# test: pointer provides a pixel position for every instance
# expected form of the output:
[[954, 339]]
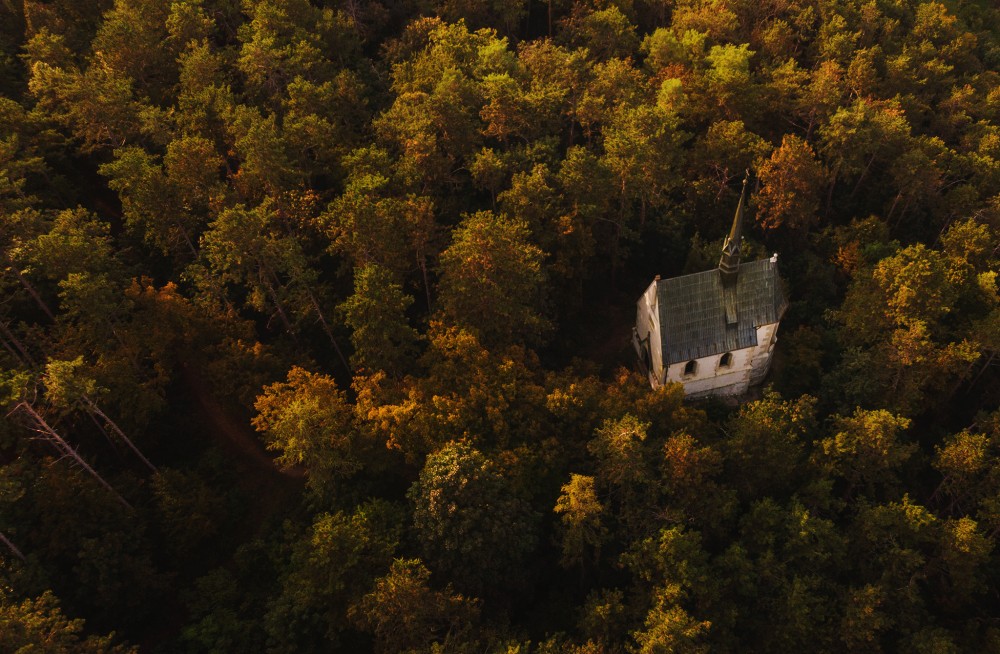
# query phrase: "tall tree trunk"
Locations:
[[902, 212], [422, 263], [864, 173], [104, 432], [269, 285], [829, 193], [92, 407], [617, 236], [9, 337], [32, 292], [892, 209], [187, 239], [326, 328], [985, 367], [68, 449], [11, 349], [11, 546]]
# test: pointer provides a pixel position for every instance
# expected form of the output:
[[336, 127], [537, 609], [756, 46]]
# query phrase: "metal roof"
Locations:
[[693, 310]]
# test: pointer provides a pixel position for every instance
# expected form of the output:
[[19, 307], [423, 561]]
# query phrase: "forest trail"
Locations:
[[231, 433]]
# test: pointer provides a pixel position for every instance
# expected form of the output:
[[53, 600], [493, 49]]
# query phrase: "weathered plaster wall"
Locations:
[[749, 365], [647, 324]]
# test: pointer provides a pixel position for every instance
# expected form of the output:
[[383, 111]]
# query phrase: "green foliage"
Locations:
[[333, 563], [218, 611], [404, 614], [370, 225], [251, 249], [191, 513], [902, 309], [307, 419], [382, 338], [199, 197], [580, 513], [765, 444], [180, 189], [865, 450], [618, 448], [792, 180], [492, 281], [471, 525], [98, 554], [605, 33], [39, 626], [97, 105], [669, 628], [64, 385]]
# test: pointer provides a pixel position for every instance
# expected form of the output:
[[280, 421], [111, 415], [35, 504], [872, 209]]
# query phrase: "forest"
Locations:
[[315, 326]]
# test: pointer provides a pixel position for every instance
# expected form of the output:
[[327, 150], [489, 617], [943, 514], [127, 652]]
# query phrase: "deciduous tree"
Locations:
[[376, 312], [40, 625], [580, 513], [492, 280], [308, 421], [405, 614], [471, 526], [792, 181]]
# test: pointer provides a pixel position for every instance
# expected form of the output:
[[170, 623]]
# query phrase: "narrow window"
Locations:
[[726, 360], [690, 367]]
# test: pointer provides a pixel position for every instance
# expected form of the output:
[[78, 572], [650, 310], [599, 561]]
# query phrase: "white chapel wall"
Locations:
[[732, 380], [647, 324], [709, 375]]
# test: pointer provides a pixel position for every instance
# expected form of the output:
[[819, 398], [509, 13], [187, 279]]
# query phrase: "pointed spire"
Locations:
[[729, 264]]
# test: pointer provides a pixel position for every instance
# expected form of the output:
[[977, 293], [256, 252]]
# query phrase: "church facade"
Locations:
[[712, 331]]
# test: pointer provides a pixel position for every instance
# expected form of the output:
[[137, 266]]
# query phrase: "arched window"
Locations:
[[690, 367], [726, 360]]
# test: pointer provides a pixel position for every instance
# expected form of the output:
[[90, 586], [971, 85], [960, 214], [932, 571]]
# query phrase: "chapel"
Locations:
[[712, 331]]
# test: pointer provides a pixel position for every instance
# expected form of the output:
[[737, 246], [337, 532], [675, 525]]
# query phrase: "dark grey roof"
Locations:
[[693, 310]]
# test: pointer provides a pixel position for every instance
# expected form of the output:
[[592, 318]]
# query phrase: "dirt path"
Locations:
[[235, 435], [269, 491]]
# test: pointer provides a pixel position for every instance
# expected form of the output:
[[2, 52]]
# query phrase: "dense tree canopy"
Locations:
[[315, 321]]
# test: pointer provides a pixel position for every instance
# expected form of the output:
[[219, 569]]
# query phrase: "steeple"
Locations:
[[729, 264]]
